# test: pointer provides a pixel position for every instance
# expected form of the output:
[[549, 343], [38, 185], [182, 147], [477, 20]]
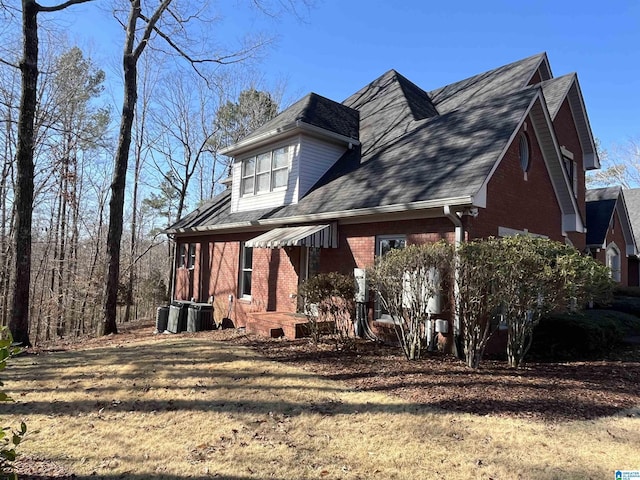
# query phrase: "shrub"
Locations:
[[332, 295], [627, 304], [405, 281], [591, 334], [9, 439], [478, 298]]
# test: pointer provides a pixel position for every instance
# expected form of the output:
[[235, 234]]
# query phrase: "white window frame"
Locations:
[[182, 259], [614, 261], [269, 173], [245, 269], [191, 256]]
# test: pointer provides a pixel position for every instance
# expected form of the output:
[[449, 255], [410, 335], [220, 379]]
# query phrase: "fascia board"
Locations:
[[591, 160], [326, 216], [577, 222], [283, 132]]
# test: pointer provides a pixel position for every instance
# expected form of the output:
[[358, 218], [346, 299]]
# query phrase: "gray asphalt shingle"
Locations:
[[415, 146]]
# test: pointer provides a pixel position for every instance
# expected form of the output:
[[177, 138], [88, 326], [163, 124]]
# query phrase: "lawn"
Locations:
[[210, 406]]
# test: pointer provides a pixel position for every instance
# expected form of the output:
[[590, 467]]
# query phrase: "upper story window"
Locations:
[[524, 152], [265, 172], [571, 166]]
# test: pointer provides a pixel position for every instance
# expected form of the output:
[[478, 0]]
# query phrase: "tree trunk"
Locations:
[[116, 203], [19, 321]]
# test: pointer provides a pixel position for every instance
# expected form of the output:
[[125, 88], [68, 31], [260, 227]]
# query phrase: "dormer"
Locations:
[[281, 161]]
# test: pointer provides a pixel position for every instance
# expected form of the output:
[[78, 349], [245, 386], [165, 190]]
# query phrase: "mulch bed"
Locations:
[[552, 392]]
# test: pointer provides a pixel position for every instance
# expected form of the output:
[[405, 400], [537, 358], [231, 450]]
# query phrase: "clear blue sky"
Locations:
[[341, 45]]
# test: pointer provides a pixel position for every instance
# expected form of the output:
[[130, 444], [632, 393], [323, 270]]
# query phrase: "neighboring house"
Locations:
[[328, 186], [609, 236], [632, 201]]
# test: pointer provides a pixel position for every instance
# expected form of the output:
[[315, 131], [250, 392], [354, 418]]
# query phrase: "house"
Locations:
[[632, 200], [610, 236], [328, 186]]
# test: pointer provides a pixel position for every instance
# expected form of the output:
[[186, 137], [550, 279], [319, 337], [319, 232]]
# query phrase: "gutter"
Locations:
[[319, 217], [272, 135]]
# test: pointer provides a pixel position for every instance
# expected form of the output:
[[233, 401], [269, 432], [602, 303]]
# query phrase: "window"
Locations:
[[384, 244], [309, 262], [265, 172], [613, 261], [571, 167], [182, 251], [191, 259], [246, 269], [524, 152]]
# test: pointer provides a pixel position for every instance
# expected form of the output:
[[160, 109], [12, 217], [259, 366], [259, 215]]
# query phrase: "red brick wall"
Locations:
[[276, 271], [567, 136], [357, 243], [516, 202], [616, 235]]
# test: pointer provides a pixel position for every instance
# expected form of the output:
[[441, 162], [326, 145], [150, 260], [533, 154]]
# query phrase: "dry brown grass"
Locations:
[[193, 407]]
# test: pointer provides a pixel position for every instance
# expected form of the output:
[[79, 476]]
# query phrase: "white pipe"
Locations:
[[459, 238]]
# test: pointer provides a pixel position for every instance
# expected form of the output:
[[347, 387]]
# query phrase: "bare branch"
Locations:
[[4, 62], [151, 25], [62, 6]]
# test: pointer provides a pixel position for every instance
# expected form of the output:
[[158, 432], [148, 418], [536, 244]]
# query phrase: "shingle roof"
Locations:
[[632, 199], [415, 146], [479, 88], [601, 203], [555, 91], [316, 110]]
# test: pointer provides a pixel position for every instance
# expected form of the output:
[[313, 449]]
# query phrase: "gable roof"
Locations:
[[315, 112], [601, 204], [416, 150], [499, 81], [555, 91], [632, 200]]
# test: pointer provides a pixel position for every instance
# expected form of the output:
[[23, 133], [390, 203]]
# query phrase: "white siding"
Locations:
[[309, 160], [316, 158], [272, 199]]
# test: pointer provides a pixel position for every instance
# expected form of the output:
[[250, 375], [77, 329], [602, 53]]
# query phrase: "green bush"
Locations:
[[626, 304], [627, 291], [592, 334], [9, 439]]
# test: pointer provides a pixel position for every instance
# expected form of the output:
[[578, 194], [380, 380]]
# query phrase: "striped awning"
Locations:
[[324, 236]]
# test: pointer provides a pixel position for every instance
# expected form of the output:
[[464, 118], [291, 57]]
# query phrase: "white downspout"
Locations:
[[459, 238]]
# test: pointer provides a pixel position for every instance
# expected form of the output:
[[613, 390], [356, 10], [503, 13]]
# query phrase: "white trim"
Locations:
[[616, 273], [571, 221], [242, 270], [329, 216], [282, 132], [544, 60]]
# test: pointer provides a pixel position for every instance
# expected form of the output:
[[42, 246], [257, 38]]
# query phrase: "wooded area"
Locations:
[[82, 208]]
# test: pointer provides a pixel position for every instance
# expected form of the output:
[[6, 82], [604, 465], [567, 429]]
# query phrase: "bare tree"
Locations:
[[168, 25], [19, 322], [620, 166]]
